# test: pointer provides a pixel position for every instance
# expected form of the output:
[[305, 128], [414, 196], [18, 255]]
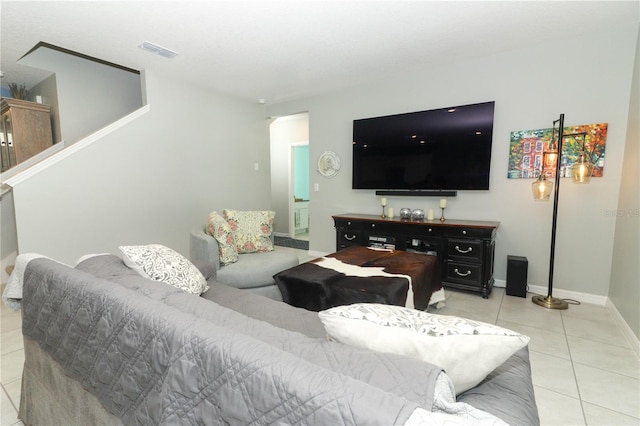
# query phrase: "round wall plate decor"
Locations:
[[328, 164]]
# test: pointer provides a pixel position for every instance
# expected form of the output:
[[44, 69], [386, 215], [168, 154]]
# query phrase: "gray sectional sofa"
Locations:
[[104, 345], [252, 271]]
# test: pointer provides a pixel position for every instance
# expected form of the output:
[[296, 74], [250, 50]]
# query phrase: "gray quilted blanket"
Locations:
[[154, 355]]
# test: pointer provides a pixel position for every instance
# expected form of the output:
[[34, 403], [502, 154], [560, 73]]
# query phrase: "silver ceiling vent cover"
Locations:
[[158, 50]]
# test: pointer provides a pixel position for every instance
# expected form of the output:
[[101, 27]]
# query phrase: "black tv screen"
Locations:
[[439, 149]]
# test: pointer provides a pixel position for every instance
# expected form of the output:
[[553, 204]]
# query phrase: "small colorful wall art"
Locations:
[[527, 147]]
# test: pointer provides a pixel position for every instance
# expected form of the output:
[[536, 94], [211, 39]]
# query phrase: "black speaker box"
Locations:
[[517, 276]]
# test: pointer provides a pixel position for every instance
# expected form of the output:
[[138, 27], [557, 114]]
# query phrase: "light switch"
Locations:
[[256, 166], [316, 187]]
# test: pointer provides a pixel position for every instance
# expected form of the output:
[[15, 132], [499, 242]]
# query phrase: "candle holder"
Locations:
[[383, 203], [442, 219]]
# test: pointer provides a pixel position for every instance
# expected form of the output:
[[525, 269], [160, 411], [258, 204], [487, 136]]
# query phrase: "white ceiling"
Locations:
[[281, 50]]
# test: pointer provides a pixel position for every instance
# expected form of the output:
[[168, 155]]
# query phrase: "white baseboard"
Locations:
[[569, 294], [561, 294], [633, 340]]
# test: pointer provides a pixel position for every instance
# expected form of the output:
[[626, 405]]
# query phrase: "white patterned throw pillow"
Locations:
[[467, 350], [251, 229], [161, 263]]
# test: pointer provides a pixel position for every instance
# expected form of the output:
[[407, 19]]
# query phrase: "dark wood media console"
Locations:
[[465, 248]]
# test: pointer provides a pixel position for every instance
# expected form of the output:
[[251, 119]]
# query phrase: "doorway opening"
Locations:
[[290, 174]]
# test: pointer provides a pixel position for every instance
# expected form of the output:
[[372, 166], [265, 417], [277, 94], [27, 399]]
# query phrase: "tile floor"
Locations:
[[584, 371], [11, 360]]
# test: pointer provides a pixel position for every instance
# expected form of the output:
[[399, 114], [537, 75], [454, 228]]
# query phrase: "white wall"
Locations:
[[284, 132], [90, 94], [625, 273], [84, 96], [48, 90], [587, 78], [151, 181], [8, 237]]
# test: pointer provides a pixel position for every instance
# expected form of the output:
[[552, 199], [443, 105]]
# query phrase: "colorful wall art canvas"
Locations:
[[527, 147]]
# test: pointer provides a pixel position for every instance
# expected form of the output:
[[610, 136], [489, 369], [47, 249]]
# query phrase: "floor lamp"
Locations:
[[581, 172]]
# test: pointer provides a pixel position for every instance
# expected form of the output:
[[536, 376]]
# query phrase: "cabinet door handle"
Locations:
[[469, 250], [346, 237], [461, 274]]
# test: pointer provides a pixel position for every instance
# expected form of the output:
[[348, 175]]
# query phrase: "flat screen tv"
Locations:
[[434, 150]]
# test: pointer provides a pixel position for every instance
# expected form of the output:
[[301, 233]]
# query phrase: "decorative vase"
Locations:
[[417, 215], [405, 213]]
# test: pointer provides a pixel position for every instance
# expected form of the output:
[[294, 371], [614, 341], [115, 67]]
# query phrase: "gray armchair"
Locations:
[[252, 271]]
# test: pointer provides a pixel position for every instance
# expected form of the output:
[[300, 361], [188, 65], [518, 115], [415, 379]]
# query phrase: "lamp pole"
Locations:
[[549, 301]]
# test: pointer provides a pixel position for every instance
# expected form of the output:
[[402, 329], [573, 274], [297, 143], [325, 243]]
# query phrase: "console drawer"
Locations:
[[348, 224], [462, 232], [348, 238], [463, 273], [469, 250]]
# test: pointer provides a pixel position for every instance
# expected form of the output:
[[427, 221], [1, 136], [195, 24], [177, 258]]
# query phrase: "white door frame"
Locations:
[[292, 205]]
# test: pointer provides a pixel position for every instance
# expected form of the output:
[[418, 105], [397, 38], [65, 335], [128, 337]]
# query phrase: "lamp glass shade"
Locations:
[[582, 169], [541, 189], [551, 156]]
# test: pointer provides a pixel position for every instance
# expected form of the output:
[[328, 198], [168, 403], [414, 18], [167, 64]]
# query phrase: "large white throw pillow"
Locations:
[[161, 263], [467, 350]]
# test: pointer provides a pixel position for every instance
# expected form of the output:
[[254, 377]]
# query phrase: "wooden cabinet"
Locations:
[[25, 130], [465, 248]]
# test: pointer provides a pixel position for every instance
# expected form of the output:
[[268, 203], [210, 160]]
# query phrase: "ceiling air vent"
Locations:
[[158, 50]]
